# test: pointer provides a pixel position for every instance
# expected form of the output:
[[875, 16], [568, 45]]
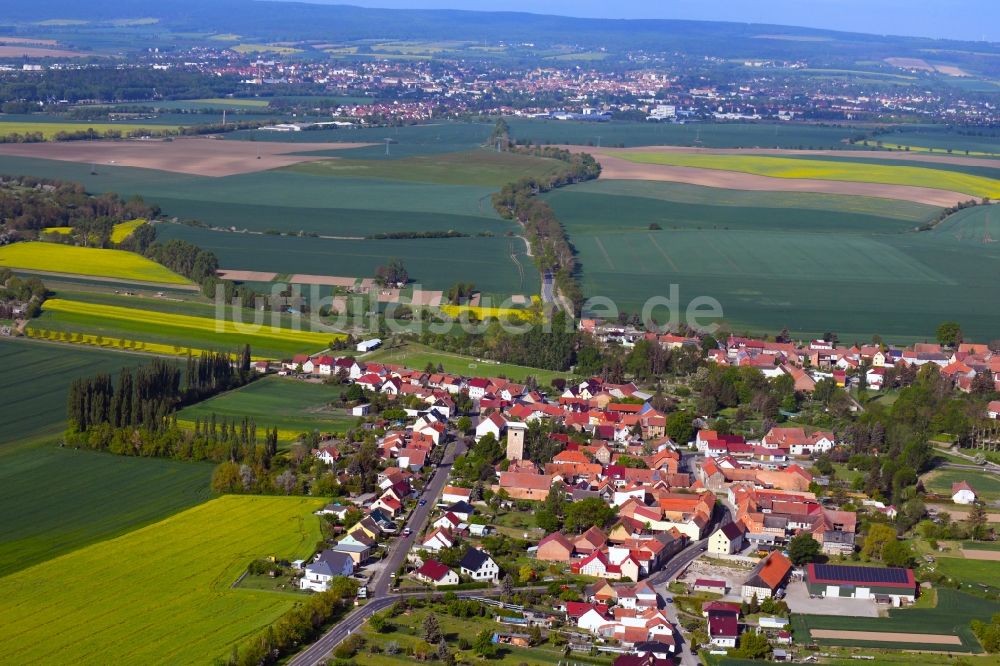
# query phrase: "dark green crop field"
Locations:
[[435, 263], [35, 381], [56, 500], [812, 263], [953, 614]]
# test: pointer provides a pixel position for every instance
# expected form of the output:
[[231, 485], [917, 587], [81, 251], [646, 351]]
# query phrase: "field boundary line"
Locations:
[[664, 253], [99, 278], [607, 257]]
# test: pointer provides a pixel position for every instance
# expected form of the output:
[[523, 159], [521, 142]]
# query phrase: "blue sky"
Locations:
[[956, 19]]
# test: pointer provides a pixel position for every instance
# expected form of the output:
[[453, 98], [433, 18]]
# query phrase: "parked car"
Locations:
[[422, 502], [406, 532]]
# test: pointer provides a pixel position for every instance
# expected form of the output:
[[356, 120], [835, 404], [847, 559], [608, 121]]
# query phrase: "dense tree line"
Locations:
[[518, 201], [406, 235], [112, 84], [187, 259], [544, 345], [29, 204]]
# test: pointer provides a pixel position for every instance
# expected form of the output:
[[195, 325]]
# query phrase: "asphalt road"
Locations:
[[379, 594]]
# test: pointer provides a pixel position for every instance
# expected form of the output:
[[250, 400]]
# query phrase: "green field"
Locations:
[[954, 611], [976, 226], [93, 262], [57, 500], [417, 356], [482, 167], [813, 263], [293, 406], [436, 263], [33, 402], [160, 593], [986, 485], [970, 572], [180, 330], [857, 171]]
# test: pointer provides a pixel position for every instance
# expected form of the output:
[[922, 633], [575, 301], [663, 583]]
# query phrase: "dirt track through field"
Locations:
[[987, 555], [197, 156], [887, 637], [616, 168]]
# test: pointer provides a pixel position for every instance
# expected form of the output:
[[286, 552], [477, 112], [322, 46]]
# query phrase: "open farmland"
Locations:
[[911, 176], [178, 329], [291, 405], [954, 611], [92, 262], [50, 130], [813, 263], [33, 403], [59, 499], [434, 263], [167, 583], [418, 357], [481, 167]]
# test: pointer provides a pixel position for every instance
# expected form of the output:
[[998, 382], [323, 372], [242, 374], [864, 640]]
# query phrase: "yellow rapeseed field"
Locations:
[[121, 231], [49, 130], [94, 262], [153, 321], [488, 313], [116, 344], [160, 594], [859, 172]]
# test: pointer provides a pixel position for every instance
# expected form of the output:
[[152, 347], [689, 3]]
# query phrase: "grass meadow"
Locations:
[[93, 262], [857, 171], [813, 263], [293, 406], [986, 485], [133, 323], [58, 499], [34, 385], [168, 583], [418, 356], [954, 611]]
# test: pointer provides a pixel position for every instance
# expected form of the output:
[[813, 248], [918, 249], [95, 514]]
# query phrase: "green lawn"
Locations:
[[954, 611], [293, 406], [975, 572], [35, 381], [418, 356], [57, 500], [986, 485]]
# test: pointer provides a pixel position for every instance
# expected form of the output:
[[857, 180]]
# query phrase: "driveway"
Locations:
[[797, 598]]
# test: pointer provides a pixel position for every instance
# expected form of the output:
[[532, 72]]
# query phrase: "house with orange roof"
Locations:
[[526, 486], [767, 577]]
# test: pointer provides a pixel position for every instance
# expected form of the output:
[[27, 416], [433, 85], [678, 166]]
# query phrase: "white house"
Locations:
[[962, 493], [327, 566], [993, 409], [437, 539], [479, 566], [494, 424], [477, 387], [726, 540], [452, 494], [436, 574]]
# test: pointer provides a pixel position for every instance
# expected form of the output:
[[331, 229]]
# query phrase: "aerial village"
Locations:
[[618, 527]]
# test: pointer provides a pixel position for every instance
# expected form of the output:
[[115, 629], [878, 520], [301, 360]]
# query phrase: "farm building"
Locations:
[[832, 580], [368, 345]]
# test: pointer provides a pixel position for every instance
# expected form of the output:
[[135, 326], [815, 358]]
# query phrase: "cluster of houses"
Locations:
[[629, 614]]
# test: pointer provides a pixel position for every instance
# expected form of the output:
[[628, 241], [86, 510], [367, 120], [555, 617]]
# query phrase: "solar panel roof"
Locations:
[[860, 574]]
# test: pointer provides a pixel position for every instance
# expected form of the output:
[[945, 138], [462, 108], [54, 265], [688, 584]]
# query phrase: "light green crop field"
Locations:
[[417, 356], [33, 403], [294, 407], [786, 167], [813, 263], [93, 262], [479, 167], [59, 499], [265, 48], [966, 571], [49, 130], [158, 594], [135, 323]]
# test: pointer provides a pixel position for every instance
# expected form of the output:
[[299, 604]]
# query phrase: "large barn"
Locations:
[[834, 580]]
